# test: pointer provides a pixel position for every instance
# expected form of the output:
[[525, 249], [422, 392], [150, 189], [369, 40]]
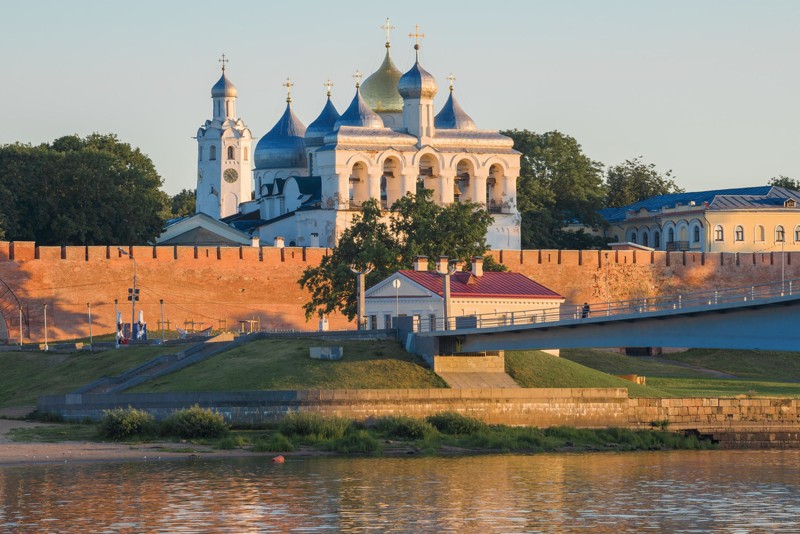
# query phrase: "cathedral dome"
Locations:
[[283, 146], [452, 117], [322, 125], [417, 82], [380, 88], [223, 88], [359, 114]]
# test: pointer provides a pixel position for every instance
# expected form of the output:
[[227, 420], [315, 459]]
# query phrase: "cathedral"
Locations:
[[304, 184]]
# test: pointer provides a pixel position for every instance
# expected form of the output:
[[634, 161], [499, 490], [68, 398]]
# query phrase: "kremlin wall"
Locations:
[[218, 287]]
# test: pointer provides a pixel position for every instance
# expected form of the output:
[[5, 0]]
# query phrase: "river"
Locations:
[[689, 491]]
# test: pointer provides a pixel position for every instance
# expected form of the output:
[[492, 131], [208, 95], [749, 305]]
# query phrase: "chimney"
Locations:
[[278, 242], [421, 263], [441, 265], [255, 241], [477, 266]]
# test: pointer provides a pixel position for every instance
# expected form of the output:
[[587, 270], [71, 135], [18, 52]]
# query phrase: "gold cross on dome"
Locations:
[[416, 36], [388, 28], [357, 76], [452, 79], [224, 62], [328, 84], [288, 85]]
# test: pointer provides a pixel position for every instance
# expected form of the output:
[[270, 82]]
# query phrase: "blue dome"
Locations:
[[359, 114], [322, 125], [283, 146], [223, 88], [417, 83], [452, 117]]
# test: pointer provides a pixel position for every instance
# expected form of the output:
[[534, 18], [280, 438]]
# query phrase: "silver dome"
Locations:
[[452, 117], [283, 146], [417, 83], [359, 114], [223, 88], [322, 125]]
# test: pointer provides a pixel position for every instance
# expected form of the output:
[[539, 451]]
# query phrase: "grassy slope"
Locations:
[[26, 375], [758, 365], [285, 364]]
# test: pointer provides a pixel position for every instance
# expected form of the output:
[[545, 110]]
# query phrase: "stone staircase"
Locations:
[[478, 370]]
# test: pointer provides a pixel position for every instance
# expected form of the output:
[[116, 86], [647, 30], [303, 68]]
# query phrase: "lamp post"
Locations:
[[91, 340], [161, 301], [133, 296], [361, 276], [116, 324], [20, 326], [451, 269], [46, 347], [396, 284], [608, 297]]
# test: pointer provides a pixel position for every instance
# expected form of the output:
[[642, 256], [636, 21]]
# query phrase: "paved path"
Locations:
[[478, 380]]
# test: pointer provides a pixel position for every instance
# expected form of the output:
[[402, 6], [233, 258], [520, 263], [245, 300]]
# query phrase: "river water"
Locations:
[[688, 491]]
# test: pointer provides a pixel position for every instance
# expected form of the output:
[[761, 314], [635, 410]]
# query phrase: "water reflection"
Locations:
[[687, 491]]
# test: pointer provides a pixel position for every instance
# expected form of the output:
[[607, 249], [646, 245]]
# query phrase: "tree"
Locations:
[[416, 226], [183, 204], [785, 181], [95, 190], [558, 185], [635, 180]]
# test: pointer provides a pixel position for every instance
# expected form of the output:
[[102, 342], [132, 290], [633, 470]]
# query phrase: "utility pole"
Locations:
[[46, 347], [20, 326], [361, 276], [451, 269], [91, 340], [116, 324], [133, 294], [162, 320]]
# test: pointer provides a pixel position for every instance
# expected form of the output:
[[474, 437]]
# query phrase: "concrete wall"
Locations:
[[477, 363], [209, 285]]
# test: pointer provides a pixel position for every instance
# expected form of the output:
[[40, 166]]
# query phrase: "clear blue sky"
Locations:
[[708, 89]]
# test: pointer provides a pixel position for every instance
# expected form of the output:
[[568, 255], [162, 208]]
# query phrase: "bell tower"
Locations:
[[224, 171]]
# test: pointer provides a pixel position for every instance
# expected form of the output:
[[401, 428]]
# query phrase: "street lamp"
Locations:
[[608, 297], [91, 341], [361, 276], [116, 324], [396, 285], [133, 296], [46, 347]]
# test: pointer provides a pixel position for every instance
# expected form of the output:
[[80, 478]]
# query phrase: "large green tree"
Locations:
[[74, 191], [785, 181], [635, 180], [416, 226], [558, 185], [182, 204]]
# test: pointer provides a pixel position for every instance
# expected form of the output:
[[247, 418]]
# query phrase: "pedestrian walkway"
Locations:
[[475, 380]]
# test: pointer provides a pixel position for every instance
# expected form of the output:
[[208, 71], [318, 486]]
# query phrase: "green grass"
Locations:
[[619, 364], [724, 387], [536, 369], [56, 433], [27, 375], [750, 364], [284, 364]]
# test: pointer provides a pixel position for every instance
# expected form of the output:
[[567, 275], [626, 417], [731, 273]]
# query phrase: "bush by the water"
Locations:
[[355, 441], [276, 443], [195, 422], [455, 423], [402, 427], [314, 425], [121, 423]]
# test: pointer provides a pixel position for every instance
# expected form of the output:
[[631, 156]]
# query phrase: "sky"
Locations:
[[707, 89]]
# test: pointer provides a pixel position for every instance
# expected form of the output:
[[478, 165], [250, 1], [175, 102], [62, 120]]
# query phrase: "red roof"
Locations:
[[491, 284]]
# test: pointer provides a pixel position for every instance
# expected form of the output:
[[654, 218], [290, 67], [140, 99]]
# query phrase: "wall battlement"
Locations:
[[225, 286]]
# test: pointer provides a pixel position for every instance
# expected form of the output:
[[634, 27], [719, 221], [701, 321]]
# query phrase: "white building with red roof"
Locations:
[[420, 293]]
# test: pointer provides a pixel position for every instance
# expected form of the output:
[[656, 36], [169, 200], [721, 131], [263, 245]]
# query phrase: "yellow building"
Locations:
[[748, 219]]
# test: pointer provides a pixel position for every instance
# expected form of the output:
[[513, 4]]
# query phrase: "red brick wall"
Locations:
[[207, 284]]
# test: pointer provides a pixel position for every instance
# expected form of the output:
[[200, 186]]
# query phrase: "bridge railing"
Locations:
[[714, 297]]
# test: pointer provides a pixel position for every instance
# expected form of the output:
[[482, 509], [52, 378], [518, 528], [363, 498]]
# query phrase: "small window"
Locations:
[[373, 322], [696, 235], [246, 153], [387, 320], [633, 237], [739, 234], [212, 153], [671, 236], [719, 234], [645, 239], [230, 152], [656, 239], [432, 321], [797, 234], [759, 233], [780, 234], [199, 153]]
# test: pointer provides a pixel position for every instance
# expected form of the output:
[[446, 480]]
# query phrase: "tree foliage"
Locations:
[[635, 180], [182, 204], [74, 191], [416, 226], [785, 181], [558, 185]]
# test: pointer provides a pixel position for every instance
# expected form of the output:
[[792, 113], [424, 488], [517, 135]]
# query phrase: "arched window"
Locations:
[[212, 153], [797, 234], [230, 152], [199, 153], [759, 234], [310, 164], [671, 235], [696, 235], [739, 234], [656, 239], [780, 234], [645, 239], [633, 237], [246, 151], [719, 234]]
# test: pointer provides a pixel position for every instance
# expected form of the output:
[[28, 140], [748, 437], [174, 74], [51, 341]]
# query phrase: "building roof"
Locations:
[[452, 117], [380, 88], [359, 114], [283, 146], [322, 125], [491, 284], [223, 87], [759, 197]]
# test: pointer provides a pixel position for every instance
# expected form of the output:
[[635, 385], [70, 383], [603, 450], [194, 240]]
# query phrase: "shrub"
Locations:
[[232, 442], [314, 425], [359, 441], [405, 427], [276, 443], [455, 423], [195, 422], [122, 423]]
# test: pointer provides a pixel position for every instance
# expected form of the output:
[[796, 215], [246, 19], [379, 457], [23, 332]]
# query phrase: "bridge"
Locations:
[[763, 317]]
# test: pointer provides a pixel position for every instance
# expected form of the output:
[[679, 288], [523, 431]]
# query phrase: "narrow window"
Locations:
[[246, 152], [212, 153], [311, 164], [645, 239], [780, 235], [387, 320], [696, 234], [739, 233], [432, 321], [230, 152], [373, 322], [633, 237], [656, 239], [759, 233], [199, 153], [671, 236], [719, 234], [797, 234]]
